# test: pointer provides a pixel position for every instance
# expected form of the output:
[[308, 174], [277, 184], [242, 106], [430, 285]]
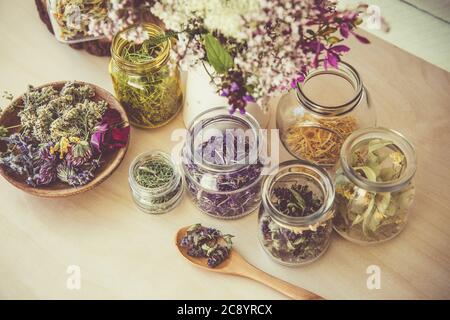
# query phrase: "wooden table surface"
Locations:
[[124, 253]]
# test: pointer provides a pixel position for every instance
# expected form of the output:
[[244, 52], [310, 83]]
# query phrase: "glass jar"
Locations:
[[222, 163], [145, 81], [161, 197], [295, 218], [73, 20], [326, 107], [374, 185]]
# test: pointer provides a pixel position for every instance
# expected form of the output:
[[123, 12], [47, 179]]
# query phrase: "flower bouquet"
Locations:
[[258, 47], [62, 139]]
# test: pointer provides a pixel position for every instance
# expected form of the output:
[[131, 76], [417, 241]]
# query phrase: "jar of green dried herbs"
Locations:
[[295, 218], [156, 183], [146, 81], [374, 185]]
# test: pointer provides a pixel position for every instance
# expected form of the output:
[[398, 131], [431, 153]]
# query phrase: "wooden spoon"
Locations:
[[237, 265]]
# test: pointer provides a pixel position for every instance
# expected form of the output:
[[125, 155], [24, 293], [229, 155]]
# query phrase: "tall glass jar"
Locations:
[[146, 81], [295, 218], [326, 107], [160, 197], [72, 20], [222, 163], [374, 185]]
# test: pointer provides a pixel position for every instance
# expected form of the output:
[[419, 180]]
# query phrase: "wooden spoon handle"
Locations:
[[284, 287]]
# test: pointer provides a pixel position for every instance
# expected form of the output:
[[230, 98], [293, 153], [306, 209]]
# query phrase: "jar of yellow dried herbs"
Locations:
[[77, 20], [323, 110], [374, 185], [146, 81]]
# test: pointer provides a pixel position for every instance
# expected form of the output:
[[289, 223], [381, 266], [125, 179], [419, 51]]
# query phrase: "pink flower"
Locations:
[[108, 135]]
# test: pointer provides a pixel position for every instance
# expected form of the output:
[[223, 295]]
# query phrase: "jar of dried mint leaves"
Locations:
[[295, 218], [156, 183], [145, 80], [73, 20], [374, 185], [324, 109], [223, 163]]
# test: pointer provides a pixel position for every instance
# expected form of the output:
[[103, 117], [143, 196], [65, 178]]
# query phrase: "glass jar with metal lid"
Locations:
[[145, 80], [295, 217], [324, 109], [374, 185]]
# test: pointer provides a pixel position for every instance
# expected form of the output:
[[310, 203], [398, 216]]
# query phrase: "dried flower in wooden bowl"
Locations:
[[62, 139]]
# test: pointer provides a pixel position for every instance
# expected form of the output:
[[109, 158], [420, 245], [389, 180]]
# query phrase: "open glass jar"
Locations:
[[295, 218], [146, 81], [326, 107], [374, 185], [155, 181], [223, 164], [72, 20]]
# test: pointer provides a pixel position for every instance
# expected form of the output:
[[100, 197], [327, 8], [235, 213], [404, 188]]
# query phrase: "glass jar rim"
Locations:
[[152, 30], [247, 119], [324, 180], [345, 71], [398, 139], [163, 189]]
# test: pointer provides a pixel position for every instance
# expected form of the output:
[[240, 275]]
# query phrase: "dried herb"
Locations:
[[319, 140], [152, 96], [296, 200], [224, 194], [294, 245], [154, 173], [73, 18], [56, 133], [210, 243], [366, 215], [49, 115]]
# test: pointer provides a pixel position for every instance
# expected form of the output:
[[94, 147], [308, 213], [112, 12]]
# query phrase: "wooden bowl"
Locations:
[[109, 161]]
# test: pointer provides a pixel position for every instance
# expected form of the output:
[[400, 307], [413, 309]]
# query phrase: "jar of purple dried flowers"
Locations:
[[295, 218], [223, 163]]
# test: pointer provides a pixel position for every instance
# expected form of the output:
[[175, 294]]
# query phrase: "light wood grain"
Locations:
[[124, 253]]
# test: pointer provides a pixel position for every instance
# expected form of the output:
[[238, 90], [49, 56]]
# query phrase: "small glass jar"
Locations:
[[72, 20], [222, 163], [374, 185], [164, 197], [148, 88], [290, 239], [326, 107]]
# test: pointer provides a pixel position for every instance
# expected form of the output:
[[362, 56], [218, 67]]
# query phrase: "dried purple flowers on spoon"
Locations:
[[209, 243]]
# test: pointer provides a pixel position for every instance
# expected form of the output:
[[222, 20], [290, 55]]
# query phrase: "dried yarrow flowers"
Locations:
[[210, 243], [63, 135]]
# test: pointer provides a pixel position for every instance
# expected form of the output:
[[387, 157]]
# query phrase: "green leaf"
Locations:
[[376, 144], [217, 55], [298, 198], [368, 173]]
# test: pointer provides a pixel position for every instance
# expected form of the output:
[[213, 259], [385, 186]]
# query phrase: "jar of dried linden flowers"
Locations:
[[374, 185], [295, 218], [146, 81], [324, 109]]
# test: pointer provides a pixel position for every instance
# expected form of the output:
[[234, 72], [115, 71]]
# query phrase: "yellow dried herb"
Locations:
[[319, 139]]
